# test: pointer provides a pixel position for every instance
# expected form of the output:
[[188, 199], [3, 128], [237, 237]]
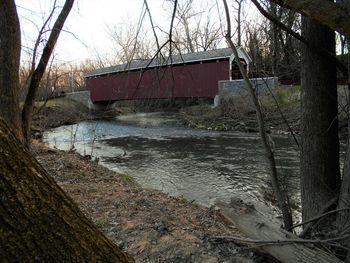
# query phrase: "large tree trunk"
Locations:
[[343, 217], [320, 176], [10, 48], [38, 221], [36, 76]]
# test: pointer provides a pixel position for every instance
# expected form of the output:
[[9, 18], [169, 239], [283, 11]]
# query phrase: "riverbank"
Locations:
[[239, 116], [150, 225], [62, 111], [281, 112]]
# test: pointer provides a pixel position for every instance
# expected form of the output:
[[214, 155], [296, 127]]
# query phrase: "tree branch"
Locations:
[[282, 242], [334, 15], [152, 24], [38, 40], [296, 35], [40, 69], [280, 196]]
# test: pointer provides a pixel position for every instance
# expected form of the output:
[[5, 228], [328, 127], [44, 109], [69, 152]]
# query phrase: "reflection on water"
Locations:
[[197, 164]]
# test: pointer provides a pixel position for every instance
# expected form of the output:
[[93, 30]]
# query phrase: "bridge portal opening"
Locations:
[[235, 73]]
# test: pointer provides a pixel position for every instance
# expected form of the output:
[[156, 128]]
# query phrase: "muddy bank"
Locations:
[[63, 111], [237, 114], [150, 225], [281, 114], [241, 119]]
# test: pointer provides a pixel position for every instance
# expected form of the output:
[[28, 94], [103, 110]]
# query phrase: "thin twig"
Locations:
[[38, 40], [296, 35], [152, 24], [280, 196], [325, 208], [281, 242], [282, 115], [319, 217]]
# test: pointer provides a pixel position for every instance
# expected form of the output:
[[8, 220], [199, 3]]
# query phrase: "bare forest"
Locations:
[[60, 206]]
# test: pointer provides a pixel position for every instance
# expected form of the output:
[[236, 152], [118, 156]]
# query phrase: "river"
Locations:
[[199, 165]]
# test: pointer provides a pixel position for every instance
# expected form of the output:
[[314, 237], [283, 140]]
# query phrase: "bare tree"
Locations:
[[333, 14], [296, 35], [184, 12], [284, 53], [36, 75], [343, 217], [206, 34], [195, 29], [39, 222], [319, 116], [320, 175], [280, 196], [130, 42], [238, 6]]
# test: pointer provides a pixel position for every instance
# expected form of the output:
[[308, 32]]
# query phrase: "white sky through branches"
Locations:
[[86, 26], [86, 29]]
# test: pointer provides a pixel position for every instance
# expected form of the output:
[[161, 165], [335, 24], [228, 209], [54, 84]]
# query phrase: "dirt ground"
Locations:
[[150, 225], [241, 118], [238, 114]]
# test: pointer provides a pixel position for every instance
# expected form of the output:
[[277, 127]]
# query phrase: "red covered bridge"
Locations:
[[193, 75]]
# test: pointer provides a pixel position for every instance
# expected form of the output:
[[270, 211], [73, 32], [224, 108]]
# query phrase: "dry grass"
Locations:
[[150, 225]]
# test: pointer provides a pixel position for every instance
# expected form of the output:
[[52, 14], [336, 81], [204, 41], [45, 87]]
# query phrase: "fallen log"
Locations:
[[283, 245]]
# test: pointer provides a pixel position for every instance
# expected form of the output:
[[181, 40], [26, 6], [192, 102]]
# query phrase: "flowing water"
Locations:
[[199, 165]]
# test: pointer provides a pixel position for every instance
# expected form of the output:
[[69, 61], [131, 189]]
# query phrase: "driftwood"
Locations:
[[281, 244]]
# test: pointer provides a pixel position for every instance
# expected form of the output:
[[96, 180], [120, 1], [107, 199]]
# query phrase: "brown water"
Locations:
[[199, 165]]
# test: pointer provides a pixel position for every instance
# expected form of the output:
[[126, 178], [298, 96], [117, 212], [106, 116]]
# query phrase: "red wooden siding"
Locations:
[[180, 81]]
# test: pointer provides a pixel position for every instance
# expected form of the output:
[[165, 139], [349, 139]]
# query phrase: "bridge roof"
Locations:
[[173, 60]]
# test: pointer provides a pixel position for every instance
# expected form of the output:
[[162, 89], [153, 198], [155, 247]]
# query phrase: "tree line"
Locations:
[[276, 47]]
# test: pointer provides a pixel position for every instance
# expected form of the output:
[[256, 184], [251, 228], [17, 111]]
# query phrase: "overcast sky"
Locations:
[[88, 22]]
